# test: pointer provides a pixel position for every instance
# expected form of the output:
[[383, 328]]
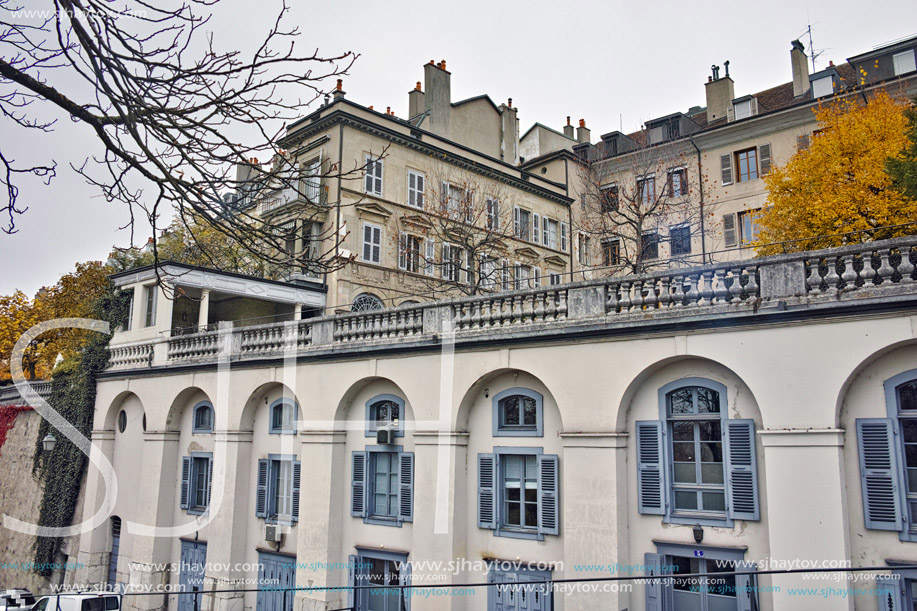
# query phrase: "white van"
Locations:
[[86, 601], [16, 600]]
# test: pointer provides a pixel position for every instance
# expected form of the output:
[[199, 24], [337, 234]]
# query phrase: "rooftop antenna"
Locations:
[[809, 33]]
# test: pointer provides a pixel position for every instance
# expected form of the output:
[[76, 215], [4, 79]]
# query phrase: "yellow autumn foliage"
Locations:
[[840, 184]]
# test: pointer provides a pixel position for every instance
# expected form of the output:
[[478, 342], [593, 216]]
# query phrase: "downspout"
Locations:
[[700, 184], [569, 216], [337, 206]]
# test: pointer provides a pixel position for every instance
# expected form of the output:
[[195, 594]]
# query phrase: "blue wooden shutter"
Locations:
[[650, 493], [406, 487], [264, 467], [548, 494], [297, 471], [358, 484], [653, 589], [487, 491], [185, 482], [879, 474], [742, 470], [889, 594], [746, 593]]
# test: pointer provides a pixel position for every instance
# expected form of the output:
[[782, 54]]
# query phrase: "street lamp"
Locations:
[[48, 442]]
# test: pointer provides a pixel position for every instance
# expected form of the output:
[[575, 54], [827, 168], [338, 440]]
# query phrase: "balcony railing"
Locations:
[[9, 395], [878, 273]]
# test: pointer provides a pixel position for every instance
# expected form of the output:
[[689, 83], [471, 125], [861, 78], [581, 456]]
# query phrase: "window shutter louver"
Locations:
[[544, 232], [297, 471], [403, 251], [444, 197], [764, 152], [496, 204], [653, 590], [517, 230], [889, 592], [209, 480], [469, 267], [468, 202], [742, 469], [412, 189], [261, 491], [548, 495], [746, 591], [879, 474], [536, 225], [406, 487], [650, 496], [730, 236], [358, 484], [185, 482], [367, 242], [429, 255], [368, 186], [563, 237], [421, 190], [726, 168], [487, 491]]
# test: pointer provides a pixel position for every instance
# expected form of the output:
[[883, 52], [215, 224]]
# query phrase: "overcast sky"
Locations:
[[609, 62]]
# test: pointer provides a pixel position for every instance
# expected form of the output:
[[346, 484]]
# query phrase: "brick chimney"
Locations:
[[568, 129], [582, 132], [415, 101], [800, 63], [438, 98], [720, 93]]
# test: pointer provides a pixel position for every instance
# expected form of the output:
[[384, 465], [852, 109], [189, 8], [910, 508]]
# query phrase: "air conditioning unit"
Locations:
[[385, 436], [274, 532]]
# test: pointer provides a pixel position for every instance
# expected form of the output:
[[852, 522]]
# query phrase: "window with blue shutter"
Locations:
[[519, 493], [264, 467], [277, 493], [653, 587], [382, 485], [681, 586], [185, 482], [518, 588], [196, 482], [374, 573], [696, 465], [518, 412]]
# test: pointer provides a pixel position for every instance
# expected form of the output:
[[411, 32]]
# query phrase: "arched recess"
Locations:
[[261, 398], [184, 401], [380, 386], [872, 359], [685, 366], [110, 419], [483, 387]]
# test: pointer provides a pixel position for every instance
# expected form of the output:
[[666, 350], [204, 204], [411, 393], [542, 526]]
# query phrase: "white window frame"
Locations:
[[493, 214], [901, 64], [374, 173], [373, 248], [150, 299], [416, 193], [742, 110], [822, 86]]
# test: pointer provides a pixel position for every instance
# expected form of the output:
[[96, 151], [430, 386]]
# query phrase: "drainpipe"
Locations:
[[700, 184], [337, 206], [569, 216]]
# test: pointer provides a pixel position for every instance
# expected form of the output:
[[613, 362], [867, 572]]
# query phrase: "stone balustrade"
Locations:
[[9, 395], [869, 275]]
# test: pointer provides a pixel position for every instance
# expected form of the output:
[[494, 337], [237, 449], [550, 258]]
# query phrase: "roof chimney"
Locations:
[[800, 64], [339, 91], [720, 93], [568, 129], [582, 132], [415, 101], [437, 98]]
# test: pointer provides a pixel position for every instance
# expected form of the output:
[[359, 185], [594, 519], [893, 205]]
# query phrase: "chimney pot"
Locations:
[[432, 62], [568, 119], [388, 110], [443, 64], [370, 107], [510, 103], [417, 86], [831, 62], [582, 122], [340, 84]]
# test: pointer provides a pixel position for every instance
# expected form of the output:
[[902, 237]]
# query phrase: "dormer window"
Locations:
[[822, 86], [904, 62], [743, 110]]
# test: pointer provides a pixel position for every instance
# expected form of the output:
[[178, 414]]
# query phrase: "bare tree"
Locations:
[[168, 107], [640, 210], [459, 238]]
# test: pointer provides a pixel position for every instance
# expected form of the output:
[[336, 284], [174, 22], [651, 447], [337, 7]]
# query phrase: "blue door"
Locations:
[[191, 575], [113, 555], [276, 580]]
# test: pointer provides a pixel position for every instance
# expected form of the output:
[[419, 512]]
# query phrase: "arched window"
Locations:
[[283, 416], [383, 410], [122, 421], [366, 302], [203, 418], [518, 412]]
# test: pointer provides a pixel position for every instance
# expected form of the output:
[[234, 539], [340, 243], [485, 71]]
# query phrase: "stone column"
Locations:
[[593, 519], [231, 513], [151, 555], [323, 506], [94, 551], [436, 457], [203, 314], [297, 312], [804, 471]]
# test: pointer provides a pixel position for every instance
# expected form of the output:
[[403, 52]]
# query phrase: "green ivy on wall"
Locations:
[[73, 393]]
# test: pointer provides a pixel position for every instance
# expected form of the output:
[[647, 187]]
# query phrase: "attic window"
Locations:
[[743, 110], [904, 62], [822, 86]]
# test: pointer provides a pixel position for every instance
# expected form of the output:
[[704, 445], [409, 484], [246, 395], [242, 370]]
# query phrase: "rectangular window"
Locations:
[[523, 272], [611, 252], [904, 62], [282, 487], [452, 262], [311, 183], [196, 480], [650, 245], [372, 243], [488, 273], [374, 573], [384, 484], [726, 169], [802, 142], [550, 233], [536, 228], [410, 253], [493, 214], [416, 186], [554, 278], [563, 237], [678, 182], [457, 202], [505, 276], [152, 294], [608, 199], [680, 239], [747, 225], [129, 321], [742, 110], [747, 165], [582, 245], [373, 168], [646, 190], [523, 224], [520, 492], [524, 589]]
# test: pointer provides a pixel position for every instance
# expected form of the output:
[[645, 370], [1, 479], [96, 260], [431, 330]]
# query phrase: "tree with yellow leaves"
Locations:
[[840, 184]]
